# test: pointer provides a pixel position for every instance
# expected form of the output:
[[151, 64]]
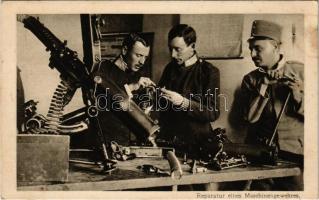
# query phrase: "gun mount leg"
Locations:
[[109, 167], [211, 186], [174, 187], [108, 164], [247, 185]]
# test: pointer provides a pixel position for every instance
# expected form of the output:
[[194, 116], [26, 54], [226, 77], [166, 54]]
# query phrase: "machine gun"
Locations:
[[221, 153], [74, 74], [217, 152]]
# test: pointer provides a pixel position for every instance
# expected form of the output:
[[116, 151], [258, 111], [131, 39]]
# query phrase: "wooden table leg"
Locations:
[[174, 187], [211, 187], [247, 185]]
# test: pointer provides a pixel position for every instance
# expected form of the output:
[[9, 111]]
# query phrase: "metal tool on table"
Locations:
[[229, 162], [151, 169], [123, 153], [175, 165], [197, 169], [175, 170]]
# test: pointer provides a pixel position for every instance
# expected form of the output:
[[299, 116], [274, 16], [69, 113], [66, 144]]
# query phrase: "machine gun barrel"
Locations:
[[62, 58], [258, 154], [142, 125]]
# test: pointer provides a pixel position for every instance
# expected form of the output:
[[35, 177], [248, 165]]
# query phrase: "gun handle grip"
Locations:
[[21, 18]]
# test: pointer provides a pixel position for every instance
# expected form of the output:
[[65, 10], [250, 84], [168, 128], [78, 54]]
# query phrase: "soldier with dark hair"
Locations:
[[124, 71], [187, 82]]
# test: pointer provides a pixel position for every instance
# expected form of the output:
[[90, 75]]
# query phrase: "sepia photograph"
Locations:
[[161, 102]]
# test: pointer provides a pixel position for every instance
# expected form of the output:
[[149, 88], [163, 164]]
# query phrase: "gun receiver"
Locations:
[[66, 61]]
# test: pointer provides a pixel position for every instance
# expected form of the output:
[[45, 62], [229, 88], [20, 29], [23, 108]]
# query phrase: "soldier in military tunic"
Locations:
[[126, 71], [263, 93]]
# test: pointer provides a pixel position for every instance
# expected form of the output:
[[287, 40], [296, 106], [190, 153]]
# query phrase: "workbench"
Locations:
[[127, 176]]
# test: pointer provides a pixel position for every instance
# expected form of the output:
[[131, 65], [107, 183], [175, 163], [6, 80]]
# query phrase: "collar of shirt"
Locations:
[[280, 65], [192, 60], [120, 63]]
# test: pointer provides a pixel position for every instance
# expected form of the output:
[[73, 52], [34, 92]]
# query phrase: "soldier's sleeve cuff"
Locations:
[[299, 107], [128, 91], [185, 104]]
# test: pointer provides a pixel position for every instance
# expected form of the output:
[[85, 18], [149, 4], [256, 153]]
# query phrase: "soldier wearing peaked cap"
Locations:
[[263, 93]]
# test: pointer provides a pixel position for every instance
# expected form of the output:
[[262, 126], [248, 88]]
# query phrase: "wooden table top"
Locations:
[[128, 176]]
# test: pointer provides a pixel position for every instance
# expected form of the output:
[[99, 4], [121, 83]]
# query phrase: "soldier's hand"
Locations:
[[142, 83], [172, 96], [272, 76], [145, 82], [275, 74], [296, 86]]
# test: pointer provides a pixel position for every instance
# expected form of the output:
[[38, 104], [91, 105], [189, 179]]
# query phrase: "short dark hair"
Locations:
[[130, 40], [183, 30]]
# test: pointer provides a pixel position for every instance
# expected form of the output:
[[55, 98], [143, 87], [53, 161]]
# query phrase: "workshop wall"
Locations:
[[231, 70], [40, 81], [161, 55]]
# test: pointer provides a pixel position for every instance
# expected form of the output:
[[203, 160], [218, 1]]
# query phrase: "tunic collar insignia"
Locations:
[[120, 63], [192, 60]]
